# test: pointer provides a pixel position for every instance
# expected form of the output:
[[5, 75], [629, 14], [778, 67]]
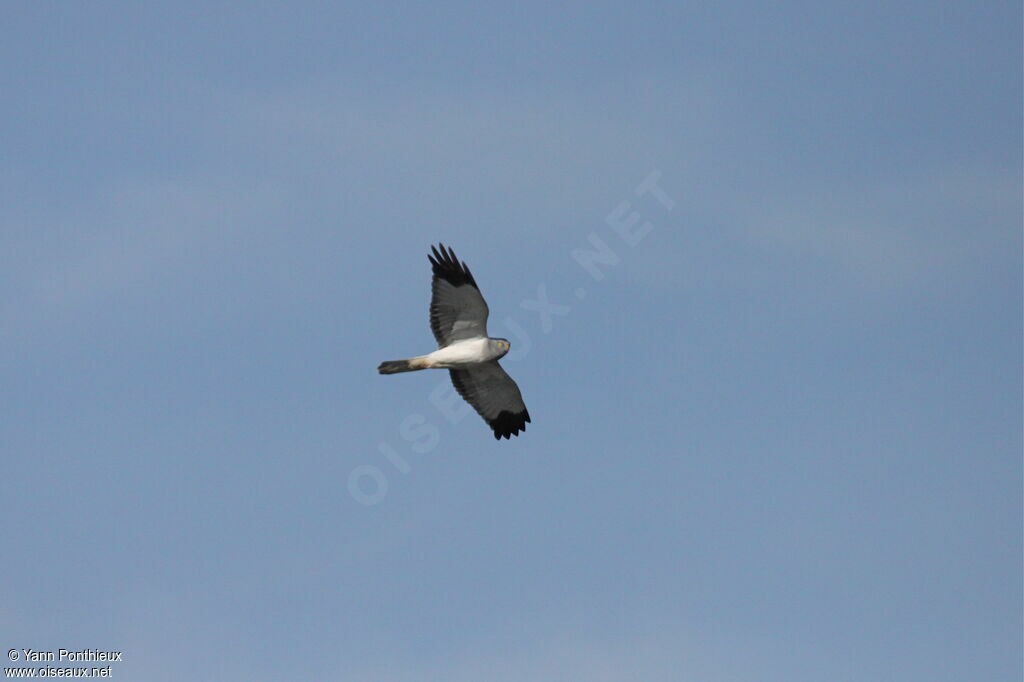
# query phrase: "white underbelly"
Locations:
[[460, 353]]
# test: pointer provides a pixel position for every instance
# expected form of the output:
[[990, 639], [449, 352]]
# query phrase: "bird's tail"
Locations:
[[396, 366]]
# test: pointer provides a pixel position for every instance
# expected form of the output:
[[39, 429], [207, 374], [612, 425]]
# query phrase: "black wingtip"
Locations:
[[446, 265], [508, 424]]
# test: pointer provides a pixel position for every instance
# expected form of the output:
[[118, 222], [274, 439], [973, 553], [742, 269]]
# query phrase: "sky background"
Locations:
[[779, 439]]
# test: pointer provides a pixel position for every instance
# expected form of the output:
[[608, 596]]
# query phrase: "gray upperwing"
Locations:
[[457, 309], [495, 397]]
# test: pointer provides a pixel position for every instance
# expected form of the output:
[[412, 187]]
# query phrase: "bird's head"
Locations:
[[502, 345]]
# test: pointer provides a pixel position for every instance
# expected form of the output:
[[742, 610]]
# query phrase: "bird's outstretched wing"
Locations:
[[457, 310], [494, 396]]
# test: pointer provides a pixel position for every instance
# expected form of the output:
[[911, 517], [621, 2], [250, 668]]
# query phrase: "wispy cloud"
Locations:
[[883, 236], [131, 236]]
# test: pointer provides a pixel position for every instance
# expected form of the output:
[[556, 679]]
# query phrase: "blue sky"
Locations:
[[778, 439]]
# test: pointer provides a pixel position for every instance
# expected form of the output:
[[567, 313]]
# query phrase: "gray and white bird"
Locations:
[[458, 318]]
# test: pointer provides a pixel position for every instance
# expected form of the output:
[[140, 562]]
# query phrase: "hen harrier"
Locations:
[[458, 318]]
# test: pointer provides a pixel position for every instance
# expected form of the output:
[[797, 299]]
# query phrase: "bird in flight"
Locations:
[[458, 318]]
